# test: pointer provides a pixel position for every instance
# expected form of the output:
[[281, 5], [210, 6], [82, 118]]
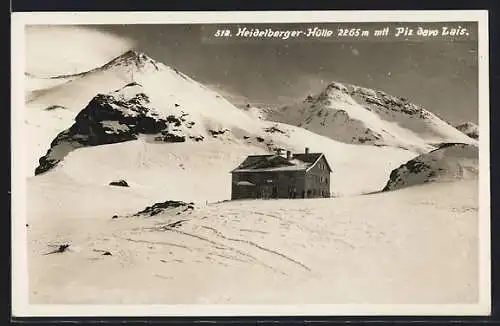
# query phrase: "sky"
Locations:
[[441, 76], [55, 50]]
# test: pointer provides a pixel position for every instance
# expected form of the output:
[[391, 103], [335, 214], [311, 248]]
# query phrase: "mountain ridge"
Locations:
[[130, 55], [359, 115]]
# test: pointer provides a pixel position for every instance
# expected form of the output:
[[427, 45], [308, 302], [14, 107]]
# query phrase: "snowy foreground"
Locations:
[[415, 245]]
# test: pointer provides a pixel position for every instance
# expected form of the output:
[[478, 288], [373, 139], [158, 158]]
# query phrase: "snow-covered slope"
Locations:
[[36, 86], [370, 249], [450, 162], [130, 67], [470, 129], [358, 115], [255, 111], [43, 121]]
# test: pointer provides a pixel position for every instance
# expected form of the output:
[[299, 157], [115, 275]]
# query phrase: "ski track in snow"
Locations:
[[220, 235], [218, 244], [320, 248]]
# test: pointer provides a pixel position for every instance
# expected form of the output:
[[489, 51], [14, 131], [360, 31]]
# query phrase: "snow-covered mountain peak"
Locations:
[[358, 94], [134, 54], [138, 64], [135, 59], [359, 115]]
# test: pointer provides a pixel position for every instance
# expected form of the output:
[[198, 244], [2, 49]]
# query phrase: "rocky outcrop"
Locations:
[[117, 117], [119, 183], [167, 205], [470, 129], [447, 163]]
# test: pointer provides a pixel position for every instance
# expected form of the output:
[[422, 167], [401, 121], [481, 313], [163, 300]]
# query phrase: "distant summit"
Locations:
[[133, 58], [359, 115]]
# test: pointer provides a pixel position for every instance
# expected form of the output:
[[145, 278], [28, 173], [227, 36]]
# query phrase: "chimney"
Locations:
[[288, 155], [307, 150]]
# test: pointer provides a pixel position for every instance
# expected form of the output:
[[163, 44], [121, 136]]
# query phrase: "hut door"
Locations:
[[275, 192], [265, 191]]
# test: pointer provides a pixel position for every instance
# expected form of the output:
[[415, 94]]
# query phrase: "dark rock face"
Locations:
[[197, 138], [473, 135], [161, 207], [55, 107], [411, 167], [470, 129], [119, 183], [215, 133], [109, 119], [274, 129]]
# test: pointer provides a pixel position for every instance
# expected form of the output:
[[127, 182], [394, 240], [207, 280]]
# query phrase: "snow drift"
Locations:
[[358, 115], [450, 162]]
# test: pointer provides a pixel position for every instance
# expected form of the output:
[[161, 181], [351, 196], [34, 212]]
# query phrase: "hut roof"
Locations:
[[274, 162]]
